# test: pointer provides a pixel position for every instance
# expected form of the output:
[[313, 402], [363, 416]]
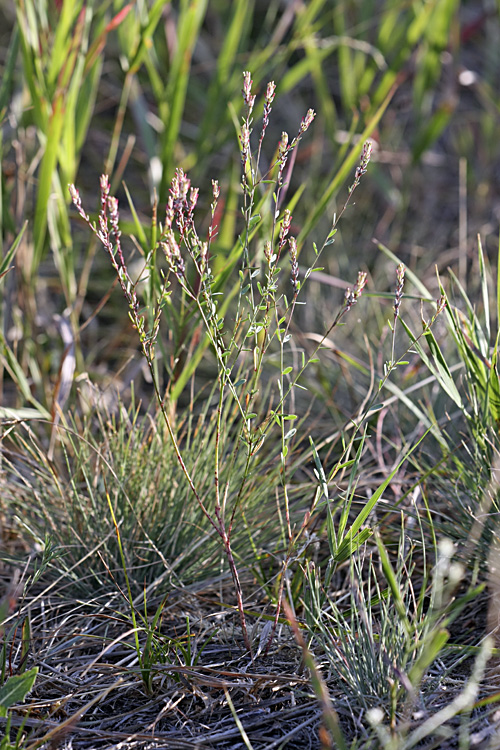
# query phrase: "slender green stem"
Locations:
[[127, 583]]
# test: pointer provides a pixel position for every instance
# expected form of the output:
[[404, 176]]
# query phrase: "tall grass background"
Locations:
[[267, 463]]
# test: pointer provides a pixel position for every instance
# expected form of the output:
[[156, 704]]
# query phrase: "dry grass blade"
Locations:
[[330, 717]]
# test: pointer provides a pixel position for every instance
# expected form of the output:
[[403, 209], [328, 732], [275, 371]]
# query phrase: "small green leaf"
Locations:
[[16, 688], [17, 374], [350, 544], [433, 645], [9, 257], [319, 471], [351, 540], [253, 221]]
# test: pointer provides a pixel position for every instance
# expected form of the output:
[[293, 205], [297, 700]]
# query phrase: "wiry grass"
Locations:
[[156, 515], [124, 457]]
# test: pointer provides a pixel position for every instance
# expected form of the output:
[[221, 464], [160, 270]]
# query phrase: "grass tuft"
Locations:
[[249, 454]]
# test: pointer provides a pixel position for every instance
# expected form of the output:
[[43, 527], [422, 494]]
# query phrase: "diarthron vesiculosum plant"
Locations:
[[241, 337]]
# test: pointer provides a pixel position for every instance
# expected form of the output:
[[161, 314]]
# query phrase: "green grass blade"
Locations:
[[6, 86], [47, 168], [494, 385], [139, 229], [354, 474], [191, 16], [410, 275], [391, 578], [9, 256], [498, 284], [19, 377], [32, 65], [241, 728], [154, 16], [350, 541], [483, 276], [227, 61], [343, 172], [438, 365], [16, 688], [62, 41], [433, 646], [430, 132]]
